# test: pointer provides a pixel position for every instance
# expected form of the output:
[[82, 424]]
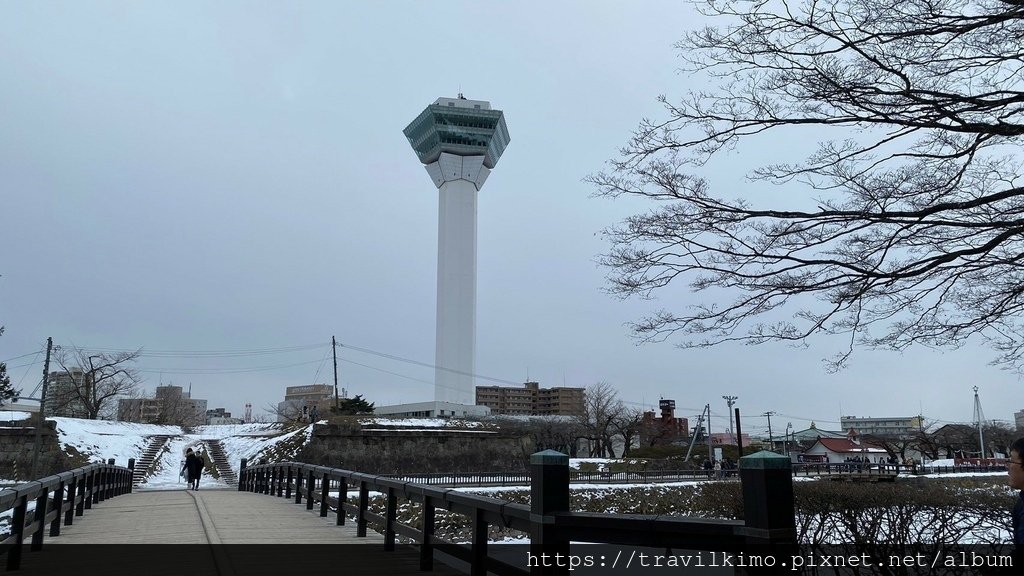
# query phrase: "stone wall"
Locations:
[[398, 451], [17, 445]]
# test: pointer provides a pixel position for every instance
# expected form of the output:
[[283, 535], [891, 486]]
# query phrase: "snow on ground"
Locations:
[[224, 430], [248, 445], [602, 463], [101, 440]]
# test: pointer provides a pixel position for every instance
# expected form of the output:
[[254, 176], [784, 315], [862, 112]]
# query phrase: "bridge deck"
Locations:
[[212, 517]]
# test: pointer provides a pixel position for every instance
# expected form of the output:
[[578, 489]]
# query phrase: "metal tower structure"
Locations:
[[979, 421], [459, 141]]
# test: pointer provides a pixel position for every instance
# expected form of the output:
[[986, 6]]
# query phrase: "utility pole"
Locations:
[[42, 411], [730, 400], [711, 455], [334, 350], [771, 441], [979, 418]]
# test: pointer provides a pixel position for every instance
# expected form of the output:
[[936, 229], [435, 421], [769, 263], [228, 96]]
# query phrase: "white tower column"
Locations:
[[458, 141], [458, 179]]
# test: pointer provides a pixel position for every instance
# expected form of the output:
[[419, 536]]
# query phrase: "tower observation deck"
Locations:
[[459, 141]]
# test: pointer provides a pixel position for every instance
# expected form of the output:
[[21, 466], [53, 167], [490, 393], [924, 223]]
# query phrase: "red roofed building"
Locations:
[[839, 450]]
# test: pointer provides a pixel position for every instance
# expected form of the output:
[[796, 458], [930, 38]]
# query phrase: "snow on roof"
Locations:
[[420, 422], [13, 415]]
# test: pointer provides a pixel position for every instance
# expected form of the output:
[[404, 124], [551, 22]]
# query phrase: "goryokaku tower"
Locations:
[[459, 141]]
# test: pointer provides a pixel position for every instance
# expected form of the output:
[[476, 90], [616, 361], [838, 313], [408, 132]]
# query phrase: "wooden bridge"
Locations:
[[294, 503]]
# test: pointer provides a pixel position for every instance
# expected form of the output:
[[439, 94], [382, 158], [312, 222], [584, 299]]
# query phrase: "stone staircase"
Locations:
[[145, 464], [216, 454]]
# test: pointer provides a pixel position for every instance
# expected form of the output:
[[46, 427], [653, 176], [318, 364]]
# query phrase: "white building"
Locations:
[[459, 141]]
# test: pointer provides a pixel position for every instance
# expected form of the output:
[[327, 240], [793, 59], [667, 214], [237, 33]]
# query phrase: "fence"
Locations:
[[768, 525], [59, 497]]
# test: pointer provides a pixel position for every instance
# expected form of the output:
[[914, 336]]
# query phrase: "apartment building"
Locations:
[[531, 400], [888, 426]]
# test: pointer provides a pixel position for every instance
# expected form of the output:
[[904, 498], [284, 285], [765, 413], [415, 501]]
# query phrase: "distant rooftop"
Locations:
[[463, 103]]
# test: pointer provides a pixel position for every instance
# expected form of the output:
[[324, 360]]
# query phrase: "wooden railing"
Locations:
[[767, 495], [468, 479], [58, 500], [825, 469]]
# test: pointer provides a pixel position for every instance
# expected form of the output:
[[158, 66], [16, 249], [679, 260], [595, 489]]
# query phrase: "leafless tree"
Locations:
[[917, 234], [601, 407], [927, 444], [286, 412], [627, 426], [95, 379]]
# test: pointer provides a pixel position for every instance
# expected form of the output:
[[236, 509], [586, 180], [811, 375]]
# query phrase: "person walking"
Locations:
[[192, 469]]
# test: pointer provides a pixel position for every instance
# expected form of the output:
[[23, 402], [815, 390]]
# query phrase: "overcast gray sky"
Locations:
[[200, 176]]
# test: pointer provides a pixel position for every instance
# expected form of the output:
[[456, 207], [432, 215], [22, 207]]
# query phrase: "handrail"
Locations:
[[770, 521], [885, 469], [62, 496]]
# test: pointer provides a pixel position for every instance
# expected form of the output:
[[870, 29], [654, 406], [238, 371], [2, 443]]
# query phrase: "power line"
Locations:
[[37, 352], [427, 364], [201, 353], [25, 373], [385, 371], [222, 370]]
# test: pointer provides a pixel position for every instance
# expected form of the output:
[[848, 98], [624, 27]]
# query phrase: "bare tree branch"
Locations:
[[917, 236]]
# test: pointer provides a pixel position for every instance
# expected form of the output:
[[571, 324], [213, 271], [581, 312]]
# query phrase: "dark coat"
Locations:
[[193, 467]]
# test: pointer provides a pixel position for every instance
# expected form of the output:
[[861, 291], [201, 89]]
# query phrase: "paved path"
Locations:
[[207, 517], [213, 517]]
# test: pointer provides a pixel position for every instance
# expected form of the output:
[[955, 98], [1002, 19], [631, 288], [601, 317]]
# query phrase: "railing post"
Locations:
[[342, 500], [92, 497], [298, 486], [364, 502], [58, 503], [131, 475], [39, 518], [310, 487], [325, 493], [280, 481], [18, 531], [389, 521], [69, 518], [99, 485], [478, 549], [242, 477], [109, 492], [288, 485], [427, 546], [549, 495], [768, 508]]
